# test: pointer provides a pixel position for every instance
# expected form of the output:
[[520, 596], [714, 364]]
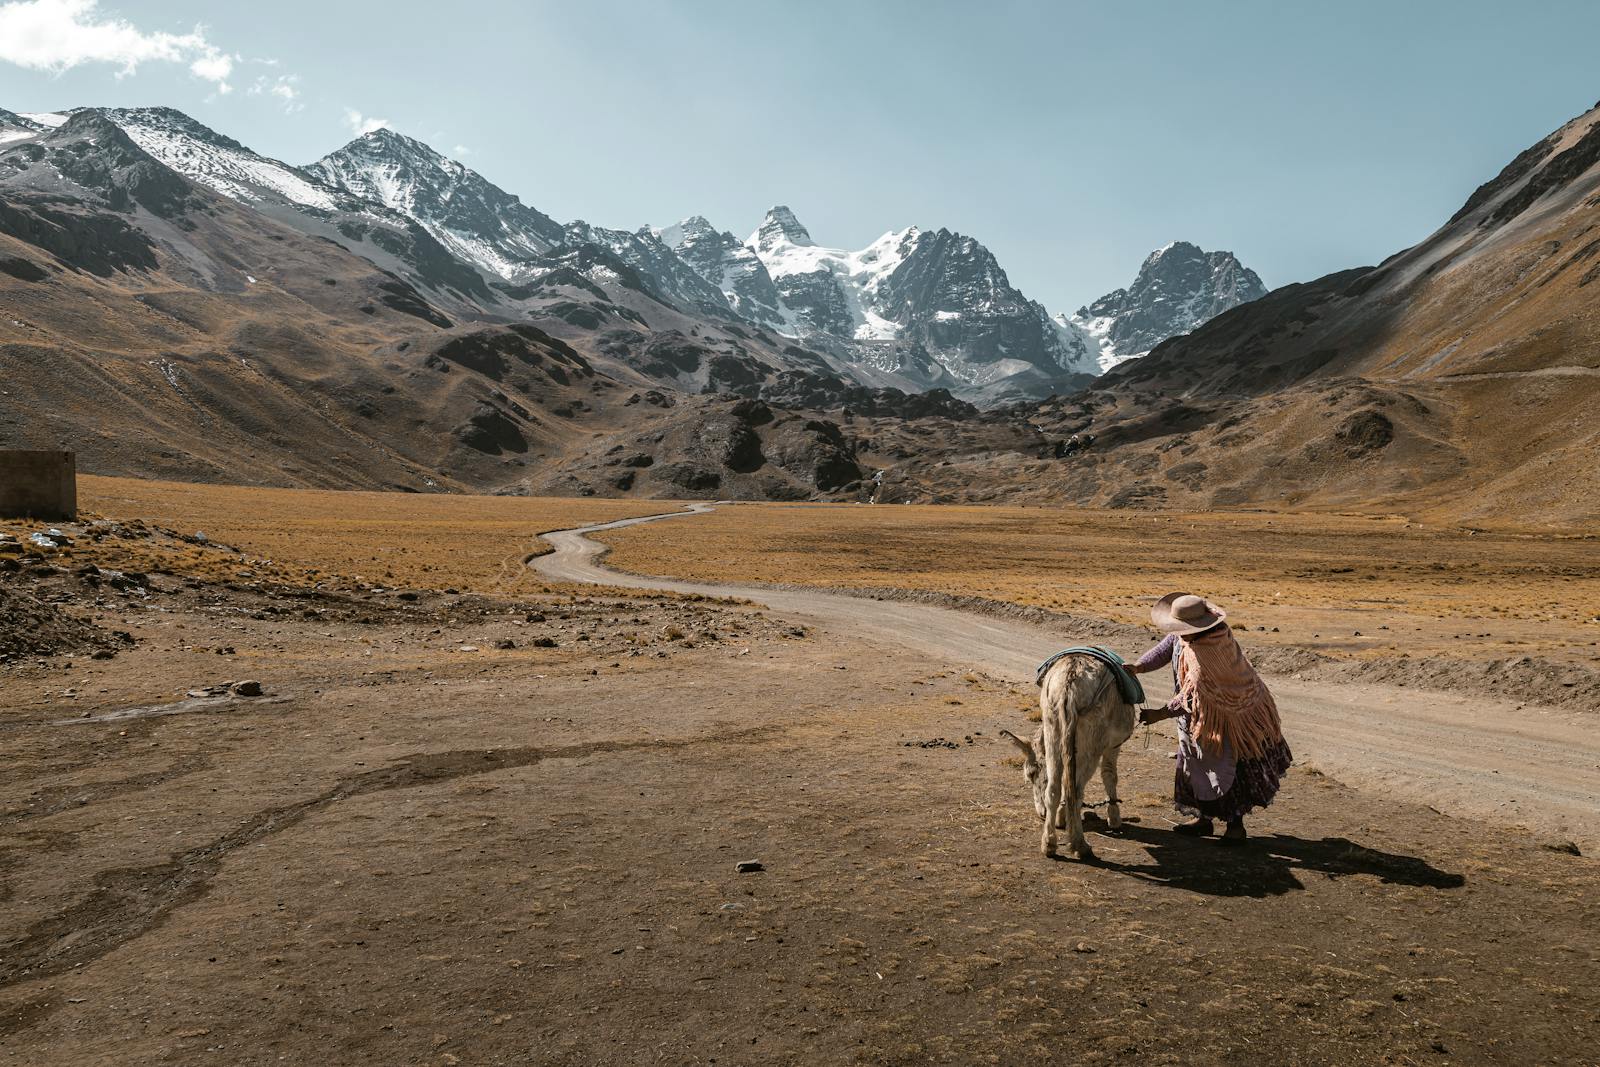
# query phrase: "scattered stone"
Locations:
[[1085, 947], [103, 653], [544, 642], [748, 866], [247, 688], [936, 742], [1570, 848], [505, 644]]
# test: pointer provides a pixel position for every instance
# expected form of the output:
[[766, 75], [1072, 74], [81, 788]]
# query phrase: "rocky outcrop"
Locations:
[[729, 264]]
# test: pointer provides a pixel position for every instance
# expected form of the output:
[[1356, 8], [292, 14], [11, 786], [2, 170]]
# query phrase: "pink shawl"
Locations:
[[1226, 698]]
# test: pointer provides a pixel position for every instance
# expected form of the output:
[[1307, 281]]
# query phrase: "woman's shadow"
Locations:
[[1263, 866]]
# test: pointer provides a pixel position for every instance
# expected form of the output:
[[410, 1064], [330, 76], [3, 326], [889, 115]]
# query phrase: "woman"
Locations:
[[1231, 751]]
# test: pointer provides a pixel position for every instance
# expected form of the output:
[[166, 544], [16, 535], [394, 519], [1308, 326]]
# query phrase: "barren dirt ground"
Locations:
[[420, 847]]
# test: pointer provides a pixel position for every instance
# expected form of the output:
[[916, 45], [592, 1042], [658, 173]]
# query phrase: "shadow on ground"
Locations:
[[1265, 866]]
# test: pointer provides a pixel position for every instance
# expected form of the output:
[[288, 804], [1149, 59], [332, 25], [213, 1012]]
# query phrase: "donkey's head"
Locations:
[[1032, 765]]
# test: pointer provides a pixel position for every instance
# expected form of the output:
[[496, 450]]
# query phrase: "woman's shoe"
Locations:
[[1201, 827], [1234, 834]]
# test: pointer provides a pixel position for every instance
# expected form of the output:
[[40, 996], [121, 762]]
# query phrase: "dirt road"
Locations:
[[1517, 765]]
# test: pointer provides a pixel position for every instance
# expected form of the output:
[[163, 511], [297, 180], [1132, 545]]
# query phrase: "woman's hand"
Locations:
[[1153, 715], [1133, 668]]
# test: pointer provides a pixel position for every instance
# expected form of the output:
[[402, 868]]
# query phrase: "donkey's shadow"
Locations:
[[1263, 866]]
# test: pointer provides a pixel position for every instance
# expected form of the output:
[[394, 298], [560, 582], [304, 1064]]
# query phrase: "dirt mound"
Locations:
[[1537, 681], [32, 627]]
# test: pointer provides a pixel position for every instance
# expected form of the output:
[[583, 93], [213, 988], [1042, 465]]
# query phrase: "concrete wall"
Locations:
[[38, 485]]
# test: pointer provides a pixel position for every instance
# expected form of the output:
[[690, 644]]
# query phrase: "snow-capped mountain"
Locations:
[[915, 308], [477, 220], [733, 267], [15, 127], [643, 250], [1179, 288], [830, 291], [222, 164], [923, 307]]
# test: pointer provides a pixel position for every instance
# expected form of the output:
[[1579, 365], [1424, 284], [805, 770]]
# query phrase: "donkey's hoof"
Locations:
[[1086, 855], [1049, 849]]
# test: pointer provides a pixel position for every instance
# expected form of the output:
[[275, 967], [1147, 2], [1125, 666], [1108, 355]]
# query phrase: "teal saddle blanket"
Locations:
[[1127, 683]]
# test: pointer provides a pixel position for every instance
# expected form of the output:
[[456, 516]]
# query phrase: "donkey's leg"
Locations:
[[1108, 778], [1078, 772], [1054, 774]]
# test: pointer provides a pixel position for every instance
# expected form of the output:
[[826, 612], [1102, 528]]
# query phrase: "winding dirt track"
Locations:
[[1532, 767]]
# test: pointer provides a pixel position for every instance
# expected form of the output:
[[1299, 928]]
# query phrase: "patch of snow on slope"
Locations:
[[860, 274], [1098, 331], [238, 174], [52, 119]]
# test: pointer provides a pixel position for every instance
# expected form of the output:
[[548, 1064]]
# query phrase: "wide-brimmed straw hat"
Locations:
[[1185, 613]]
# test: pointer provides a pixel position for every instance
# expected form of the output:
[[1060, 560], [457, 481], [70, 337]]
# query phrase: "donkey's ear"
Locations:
[[1027, 749]]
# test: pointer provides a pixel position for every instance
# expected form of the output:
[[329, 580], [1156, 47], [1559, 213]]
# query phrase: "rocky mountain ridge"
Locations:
[[180, 306], [951, 319], [1178, 289], [478, 221]]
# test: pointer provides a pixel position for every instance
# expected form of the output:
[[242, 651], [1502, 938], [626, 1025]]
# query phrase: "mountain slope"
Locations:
[[478, 221], [1461, 377], [219, 163], [1178, 288], [162, 328]]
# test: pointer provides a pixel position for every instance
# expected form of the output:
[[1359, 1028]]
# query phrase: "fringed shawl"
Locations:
[[1226, 698]]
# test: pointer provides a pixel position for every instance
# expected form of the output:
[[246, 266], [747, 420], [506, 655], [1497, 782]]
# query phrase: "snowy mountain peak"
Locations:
[[1181, 249], [398, 147], [1180, 286], [692, 229], [218, 162], [475, 219], [778, 228]]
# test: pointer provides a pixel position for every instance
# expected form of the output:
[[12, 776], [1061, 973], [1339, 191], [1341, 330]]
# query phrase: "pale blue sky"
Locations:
[[1071, 138]]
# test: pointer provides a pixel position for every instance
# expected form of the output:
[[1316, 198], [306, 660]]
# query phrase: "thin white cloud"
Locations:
[[57, 35], [461, 150], [285, 88], [363, 124]]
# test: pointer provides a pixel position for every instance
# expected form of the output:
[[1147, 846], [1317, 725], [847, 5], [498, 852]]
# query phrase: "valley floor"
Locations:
[[420, 846]]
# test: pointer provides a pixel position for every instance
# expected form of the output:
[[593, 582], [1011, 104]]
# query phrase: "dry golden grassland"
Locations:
[[475, 543], [1344, 585]]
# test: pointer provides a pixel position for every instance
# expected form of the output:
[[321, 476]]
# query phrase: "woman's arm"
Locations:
[[1173, 709], [1159, 656]]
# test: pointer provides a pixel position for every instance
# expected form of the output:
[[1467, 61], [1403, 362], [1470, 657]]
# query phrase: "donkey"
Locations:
[[1085, 722]]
